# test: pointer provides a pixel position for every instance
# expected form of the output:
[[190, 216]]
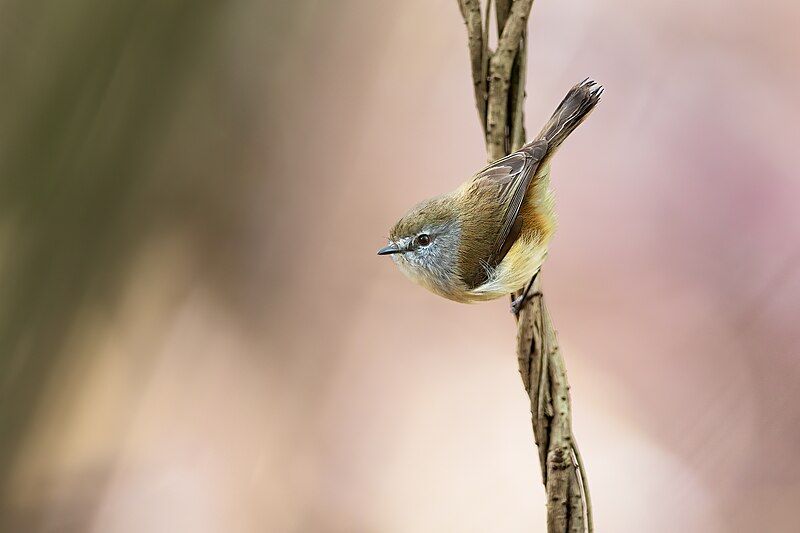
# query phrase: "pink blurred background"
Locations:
[[215, 347]]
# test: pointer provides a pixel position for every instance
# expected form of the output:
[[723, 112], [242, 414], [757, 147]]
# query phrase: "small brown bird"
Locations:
[[489, 237]]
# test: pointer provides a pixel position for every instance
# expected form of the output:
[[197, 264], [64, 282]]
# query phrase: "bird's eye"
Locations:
[[424, 239]]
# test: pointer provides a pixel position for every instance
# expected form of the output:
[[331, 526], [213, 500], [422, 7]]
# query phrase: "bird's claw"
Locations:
[[519, 303]]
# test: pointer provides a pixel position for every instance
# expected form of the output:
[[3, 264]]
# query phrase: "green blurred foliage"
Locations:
[[93, 99]]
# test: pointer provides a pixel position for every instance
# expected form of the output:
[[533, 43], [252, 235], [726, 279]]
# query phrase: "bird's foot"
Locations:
[[518, 303]]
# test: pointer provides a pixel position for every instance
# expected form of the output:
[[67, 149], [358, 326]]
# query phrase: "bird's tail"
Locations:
[[575, 107]]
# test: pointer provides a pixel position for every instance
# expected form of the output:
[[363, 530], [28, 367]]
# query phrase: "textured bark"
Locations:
[[541, 364], [471, 11], [500, 67]]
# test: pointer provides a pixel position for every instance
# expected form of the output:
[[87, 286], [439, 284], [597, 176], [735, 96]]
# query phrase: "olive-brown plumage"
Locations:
[[487, 238]]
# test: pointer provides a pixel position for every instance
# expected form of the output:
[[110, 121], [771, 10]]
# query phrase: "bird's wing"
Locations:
[[509, 177]]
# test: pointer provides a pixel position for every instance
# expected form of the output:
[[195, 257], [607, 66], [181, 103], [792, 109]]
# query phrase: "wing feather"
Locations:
[[511, 177]]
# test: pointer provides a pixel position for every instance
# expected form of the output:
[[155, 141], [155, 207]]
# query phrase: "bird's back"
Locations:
[[536, 225]]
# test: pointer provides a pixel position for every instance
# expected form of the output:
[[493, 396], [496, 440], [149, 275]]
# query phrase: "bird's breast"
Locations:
[[520, 264]]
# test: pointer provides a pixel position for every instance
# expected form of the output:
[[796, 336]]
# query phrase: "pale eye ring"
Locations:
[[423, 239]]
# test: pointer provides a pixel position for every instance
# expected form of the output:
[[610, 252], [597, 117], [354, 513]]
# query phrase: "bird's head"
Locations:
[[425, 243]]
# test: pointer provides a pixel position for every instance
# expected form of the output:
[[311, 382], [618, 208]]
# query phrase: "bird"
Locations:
[[490, 236]]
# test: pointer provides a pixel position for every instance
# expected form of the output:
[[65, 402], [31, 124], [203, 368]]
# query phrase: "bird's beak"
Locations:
[[390, 249]]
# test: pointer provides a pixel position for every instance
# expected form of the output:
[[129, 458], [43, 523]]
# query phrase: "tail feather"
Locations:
[[575, 107]]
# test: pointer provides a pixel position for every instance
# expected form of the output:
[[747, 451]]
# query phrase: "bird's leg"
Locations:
[[518, 303]]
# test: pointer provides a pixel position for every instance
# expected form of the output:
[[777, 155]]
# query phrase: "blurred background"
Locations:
[[196, 334]]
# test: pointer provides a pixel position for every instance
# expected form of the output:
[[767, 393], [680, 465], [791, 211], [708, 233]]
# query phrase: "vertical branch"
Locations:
[[584, 484], [565, 509], [517, 97], [471, 11], [533, 369], [500, 66], [541, 365], [487, 53]]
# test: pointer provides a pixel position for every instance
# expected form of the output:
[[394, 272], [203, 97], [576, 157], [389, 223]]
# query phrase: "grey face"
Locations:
[[428, 255]]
